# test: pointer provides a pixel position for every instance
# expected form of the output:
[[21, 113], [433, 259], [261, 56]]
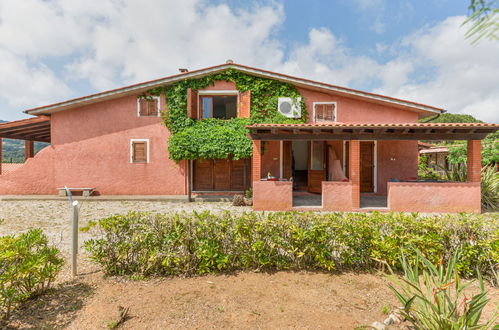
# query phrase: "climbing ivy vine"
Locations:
[[218, 138]]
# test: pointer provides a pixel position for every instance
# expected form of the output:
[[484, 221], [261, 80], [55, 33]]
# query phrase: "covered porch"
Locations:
[[347, 171], [30, 130]]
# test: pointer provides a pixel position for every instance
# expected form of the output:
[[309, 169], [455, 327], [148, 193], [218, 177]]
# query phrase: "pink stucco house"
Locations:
[[357, 151]]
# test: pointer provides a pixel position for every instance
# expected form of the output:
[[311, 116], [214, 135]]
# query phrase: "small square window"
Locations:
[[324, 111], [148, 106], [139, 151]]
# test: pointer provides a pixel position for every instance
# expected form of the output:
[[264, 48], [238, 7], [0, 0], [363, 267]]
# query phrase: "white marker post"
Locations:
[[74, 222]]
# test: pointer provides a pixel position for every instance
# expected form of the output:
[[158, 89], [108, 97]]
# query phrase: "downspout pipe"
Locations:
[[432, 118]]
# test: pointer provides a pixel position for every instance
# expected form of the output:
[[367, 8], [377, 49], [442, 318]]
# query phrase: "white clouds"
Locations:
[[463, 79], [145, 39], [109, 43], [326, 58], [21, 84]]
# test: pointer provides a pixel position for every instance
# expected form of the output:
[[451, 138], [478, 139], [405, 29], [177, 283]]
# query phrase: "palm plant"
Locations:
[[433, 297]]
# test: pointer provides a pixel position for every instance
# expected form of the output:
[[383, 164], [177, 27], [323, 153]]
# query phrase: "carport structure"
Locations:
[[29, 130], [402, 193]]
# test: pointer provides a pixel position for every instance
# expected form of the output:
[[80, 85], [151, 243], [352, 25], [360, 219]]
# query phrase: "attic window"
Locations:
[[324, 111], [148, 106]]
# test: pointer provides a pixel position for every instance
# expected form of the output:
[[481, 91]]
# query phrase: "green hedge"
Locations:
[[28, 266], [146, 244]]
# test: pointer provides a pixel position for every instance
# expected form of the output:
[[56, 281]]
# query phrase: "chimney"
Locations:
[[229, 61], [183, 70]]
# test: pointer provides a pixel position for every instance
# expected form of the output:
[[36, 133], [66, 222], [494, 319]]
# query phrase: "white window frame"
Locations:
[[375, 160], [158, 104], [131, 150], [335, 112], [215, 93]]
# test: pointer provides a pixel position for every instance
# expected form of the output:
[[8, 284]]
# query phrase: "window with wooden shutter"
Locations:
[[139, 151], [324, 111], [149, 107]]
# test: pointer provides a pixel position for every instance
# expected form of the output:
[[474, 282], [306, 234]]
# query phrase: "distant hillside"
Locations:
[[453, 118], [13, 150]]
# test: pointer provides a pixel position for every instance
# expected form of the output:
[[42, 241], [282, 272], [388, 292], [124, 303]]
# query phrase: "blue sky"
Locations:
[[60, 49]]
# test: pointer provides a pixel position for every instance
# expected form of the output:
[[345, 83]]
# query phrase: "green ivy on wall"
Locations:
[[219, 138]]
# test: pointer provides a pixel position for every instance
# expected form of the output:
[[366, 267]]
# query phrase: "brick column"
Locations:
[[354, 171], [244, 104], [29, 149], [474, 161], [256, 161]]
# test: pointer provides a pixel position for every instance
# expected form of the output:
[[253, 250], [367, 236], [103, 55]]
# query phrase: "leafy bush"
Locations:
[[425, 172], [186, 244], [490, 188], [435, 299], [28, 266]]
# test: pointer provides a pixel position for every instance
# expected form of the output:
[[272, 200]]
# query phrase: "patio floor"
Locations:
[[373, 202], [306, 199]]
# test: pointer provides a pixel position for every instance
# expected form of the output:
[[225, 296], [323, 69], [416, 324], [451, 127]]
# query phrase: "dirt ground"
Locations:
[[246, 300]]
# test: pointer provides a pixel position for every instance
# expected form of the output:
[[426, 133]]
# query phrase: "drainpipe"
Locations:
[[432, 118]]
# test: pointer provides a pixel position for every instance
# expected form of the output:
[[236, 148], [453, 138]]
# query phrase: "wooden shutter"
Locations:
[[153, 107], [192, 103], [148, 107], [143, 107], [324, 112], [139, 152]]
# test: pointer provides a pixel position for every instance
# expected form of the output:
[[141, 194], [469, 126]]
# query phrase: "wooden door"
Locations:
[[203, 175], [316, 166], [366, 166], [221, 172], [221, 175]]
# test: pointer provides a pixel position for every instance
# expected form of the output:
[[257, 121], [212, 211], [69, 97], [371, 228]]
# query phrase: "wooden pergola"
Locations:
[[347, 131], [29, 130]]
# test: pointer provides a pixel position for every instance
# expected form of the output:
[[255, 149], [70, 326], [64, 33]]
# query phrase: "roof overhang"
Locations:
[[396, 131], [32, 129], [143, 87]]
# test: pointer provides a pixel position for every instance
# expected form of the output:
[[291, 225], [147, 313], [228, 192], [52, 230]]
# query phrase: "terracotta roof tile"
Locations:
[[378, 125]]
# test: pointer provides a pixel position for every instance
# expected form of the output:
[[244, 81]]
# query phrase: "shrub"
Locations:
[[434, 297], [490, 188], [238, 200], [28, 266], [186, 244]]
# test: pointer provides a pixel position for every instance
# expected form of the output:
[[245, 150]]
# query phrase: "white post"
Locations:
[[74, 225], [74, 249]]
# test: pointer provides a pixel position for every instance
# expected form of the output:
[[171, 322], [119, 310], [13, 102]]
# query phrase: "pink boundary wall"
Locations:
[[337, 196], [34, 177], [272, 195], [434, 197]]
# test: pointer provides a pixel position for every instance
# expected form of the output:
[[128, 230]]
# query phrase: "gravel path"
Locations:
[[54, 217]]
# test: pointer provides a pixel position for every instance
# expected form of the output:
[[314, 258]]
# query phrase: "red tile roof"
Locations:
[[141, 87], [378, 125]]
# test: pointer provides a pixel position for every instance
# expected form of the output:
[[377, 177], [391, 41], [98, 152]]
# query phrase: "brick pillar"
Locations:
[[244, 104], [29, 149], [474, 162], [256, 161], [354, 171]]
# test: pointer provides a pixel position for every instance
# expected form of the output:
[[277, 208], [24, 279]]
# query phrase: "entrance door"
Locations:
[[367, 166], [221, 175], [316, 166]]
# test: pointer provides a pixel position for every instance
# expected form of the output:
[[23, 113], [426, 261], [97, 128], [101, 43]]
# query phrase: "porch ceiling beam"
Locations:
[[39, 138], [363, 136], [43, 125], [25, 132]]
